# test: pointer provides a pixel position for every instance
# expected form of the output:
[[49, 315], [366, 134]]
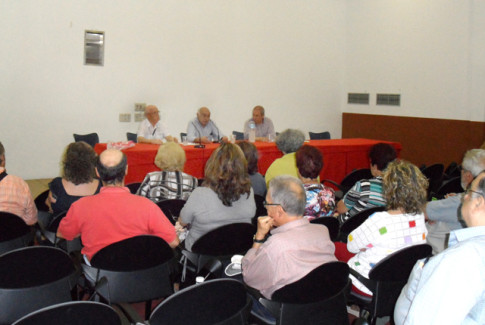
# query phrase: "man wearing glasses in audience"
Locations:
[[151, 129]]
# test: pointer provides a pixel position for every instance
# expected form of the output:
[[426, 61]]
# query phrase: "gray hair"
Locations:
[[474, 161], [288, 191], [290, 140]]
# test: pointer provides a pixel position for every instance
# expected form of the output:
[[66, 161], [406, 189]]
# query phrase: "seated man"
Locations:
[[442, 215], [114, 214], [15, 196], [151, 129], [263, 125], [367, 193], [203, 130], [295, 246], [449, 288]]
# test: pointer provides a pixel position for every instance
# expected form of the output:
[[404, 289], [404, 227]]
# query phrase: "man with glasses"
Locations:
[[286, 246], [151, 129], [442, 214], [449, 288]]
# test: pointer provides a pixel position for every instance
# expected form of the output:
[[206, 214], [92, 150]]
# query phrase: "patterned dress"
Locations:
[[320, 201], [163, 185]]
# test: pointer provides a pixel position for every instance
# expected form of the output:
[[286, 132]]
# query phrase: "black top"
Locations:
[[64, 200]]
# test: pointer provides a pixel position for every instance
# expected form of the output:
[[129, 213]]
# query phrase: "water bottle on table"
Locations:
[[252, 131]]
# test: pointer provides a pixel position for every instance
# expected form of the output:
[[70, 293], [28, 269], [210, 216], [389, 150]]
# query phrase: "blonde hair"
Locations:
[[170, 157], [404, 187]]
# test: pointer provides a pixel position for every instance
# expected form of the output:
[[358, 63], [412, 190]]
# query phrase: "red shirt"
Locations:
[[113, 215]]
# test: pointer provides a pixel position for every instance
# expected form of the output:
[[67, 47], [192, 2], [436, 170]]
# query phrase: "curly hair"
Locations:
[[226, 173], [78, 163], [290, 140], [171, 157], [251, 154], [309, 161], [404, 187]]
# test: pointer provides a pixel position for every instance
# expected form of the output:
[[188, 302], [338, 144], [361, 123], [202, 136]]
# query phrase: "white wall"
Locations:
[[179, 55]]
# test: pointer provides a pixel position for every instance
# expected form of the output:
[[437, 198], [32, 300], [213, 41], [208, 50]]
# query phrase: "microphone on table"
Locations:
[[200, 145], [217, 129]]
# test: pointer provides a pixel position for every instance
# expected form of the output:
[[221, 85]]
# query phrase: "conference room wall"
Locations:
[[228, 55]]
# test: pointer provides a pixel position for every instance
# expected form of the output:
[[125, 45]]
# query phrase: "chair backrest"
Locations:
[[238, 135], [332, 225], [260, 209], [354, 176], [171, 208], [72, 313], [132, 137], [226, 240], [220, 301], [319, 135], [317, 298], [91, 138], [40, 201], [434, 174], [353, 223], [14, 232], [32, 278], [452, 171], [133, 187], [450, 186]]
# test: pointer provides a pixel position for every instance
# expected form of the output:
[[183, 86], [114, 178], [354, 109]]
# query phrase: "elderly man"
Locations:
[[263, 125], [114, 214], [151, 129], [15, 196], [367, 193], [295, 246], [203, 130], [289, 141], [449, 288], [442, 214]]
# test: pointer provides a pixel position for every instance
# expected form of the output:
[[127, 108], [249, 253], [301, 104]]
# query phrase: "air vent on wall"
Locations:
[[388, 99], [358, 98]]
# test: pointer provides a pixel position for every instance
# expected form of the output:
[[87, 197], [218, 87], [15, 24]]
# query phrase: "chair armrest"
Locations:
[[371, 285]]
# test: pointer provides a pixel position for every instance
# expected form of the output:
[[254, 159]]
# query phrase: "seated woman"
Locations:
[[257, 180], [171, 182], [320, 200], [78, 179], [402, 225], [225, 197]]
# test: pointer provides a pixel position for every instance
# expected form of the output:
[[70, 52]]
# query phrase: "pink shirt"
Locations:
[[113, 215], [15, 197], [291, 252]]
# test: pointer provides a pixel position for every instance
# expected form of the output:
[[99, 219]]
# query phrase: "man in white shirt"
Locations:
[[151, 129]]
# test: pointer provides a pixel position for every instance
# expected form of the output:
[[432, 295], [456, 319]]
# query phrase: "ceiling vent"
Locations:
[[388, 99], [358, 98]]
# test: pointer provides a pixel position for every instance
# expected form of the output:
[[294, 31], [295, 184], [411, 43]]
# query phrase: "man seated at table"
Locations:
[[151, 129], [114, 214], [263, 125], [203, 130]]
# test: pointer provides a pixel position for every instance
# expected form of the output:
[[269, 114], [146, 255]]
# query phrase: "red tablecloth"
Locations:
[[340, 157]]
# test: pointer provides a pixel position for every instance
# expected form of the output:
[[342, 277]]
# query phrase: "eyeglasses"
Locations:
[[266, 204], [470, 191]]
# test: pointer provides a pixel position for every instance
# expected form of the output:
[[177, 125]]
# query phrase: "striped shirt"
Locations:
[[163, 185]]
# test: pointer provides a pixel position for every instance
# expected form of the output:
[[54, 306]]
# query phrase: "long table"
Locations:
[[340, 157]]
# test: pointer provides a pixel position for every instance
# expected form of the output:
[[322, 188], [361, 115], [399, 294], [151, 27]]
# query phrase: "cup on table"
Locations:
[[184, 140]]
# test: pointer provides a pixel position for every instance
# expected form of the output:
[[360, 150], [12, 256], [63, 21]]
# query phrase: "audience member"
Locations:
[[320, 200], [442, 214], [263, 125], [289, 141], [257, 180], [449, 288], [15, 196], [78, 179], [295, 246], [367, 193], [203, 130], [171, 182], [151, 129], [402, 225], [114, 214], [225, 197]]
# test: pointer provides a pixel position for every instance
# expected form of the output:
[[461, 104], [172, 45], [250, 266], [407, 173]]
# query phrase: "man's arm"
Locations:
[[445, 210], [30, 210], [141, 139]]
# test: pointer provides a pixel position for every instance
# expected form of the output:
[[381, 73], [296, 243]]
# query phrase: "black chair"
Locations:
[[40, 201], [386, 280], [317, 298], [133, 187], [219, 244], [260, 208], [91, 138], [332, 225], [319, 136], [220, 301], [171, 208], [353, 223], [72, 313], [132, 137], [14, 232], [132, 270], [434, 174], [450, 186], [348, 181], [453, 170], [32, 278], [238, 135]]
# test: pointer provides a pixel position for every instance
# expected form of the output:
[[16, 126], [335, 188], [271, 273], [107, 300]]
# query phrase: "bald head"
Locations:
[[204, 115], [112, 167], [152, 114]]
